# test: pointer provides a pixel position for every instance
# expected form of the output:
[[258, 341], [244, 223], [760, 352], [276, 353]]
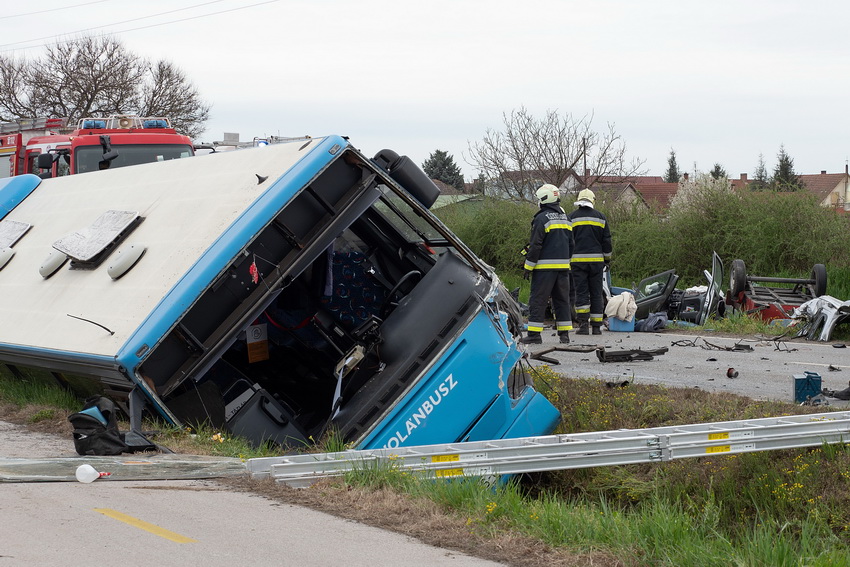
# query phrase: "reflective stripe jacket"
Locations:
[[591, 235], [551, 244]]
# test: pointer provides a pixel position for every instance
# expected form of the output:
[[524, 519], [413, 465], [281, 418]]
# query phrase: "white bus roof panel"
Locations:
[[186, 205]]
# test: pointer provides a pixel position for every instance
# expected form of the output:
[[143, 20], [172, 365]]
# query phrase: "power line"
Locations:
[[6, 47], [51, 10], [112, 24]]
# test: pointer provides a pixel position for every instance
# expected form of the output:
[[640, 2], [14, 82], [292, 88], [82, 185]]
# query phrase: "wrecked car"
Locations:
[[820, 316], [658, 293], [748, 293], [276, 292]]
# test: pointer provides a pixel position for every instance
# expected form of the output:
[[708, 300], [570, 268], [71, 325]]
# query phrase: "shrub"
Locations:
[[496, 230], [775, 234]]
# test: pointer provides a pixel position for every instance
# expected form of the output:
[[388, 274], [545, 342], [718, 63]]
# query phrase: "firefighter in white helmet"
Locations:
[[547, 262], [592, 251]]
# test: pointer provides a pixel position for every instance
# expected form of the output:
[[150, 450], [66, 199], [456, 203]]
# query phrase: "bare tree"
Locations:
[[531, 151], [97, 76], [169, 93]]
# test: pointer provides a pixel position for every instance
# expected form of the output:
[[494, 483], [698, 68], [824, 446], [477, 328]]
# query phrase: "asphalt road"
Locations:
[[189, 522], [765, 372]]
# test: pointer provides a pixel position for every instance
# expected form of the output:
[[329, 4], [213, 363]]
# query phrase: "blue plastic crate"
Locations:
[[618, 325], [806, 386]]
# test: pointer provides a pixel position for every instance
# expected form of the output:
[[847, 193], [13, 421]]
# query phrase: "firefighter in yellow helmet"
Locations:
[[547, 262], [592, 237]]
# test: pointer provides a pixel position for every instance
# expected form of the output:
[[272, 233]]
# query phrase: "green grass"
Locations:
[[35, 389], [777, 508]]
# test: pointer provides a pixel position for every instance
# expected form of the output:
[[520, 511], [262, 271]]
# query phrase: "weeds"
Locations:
[[46, 414], [35, 389], [778, 508], [775, 234]]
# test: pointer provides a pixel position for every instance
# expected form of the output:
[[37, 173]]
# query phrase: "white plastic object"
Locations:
[[124, 260], [52, 263], [87, 474], [5, 255]]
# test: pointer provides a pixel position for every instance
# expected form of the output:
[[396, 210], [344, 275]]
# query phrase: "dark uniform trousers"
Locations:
[[589, 299], [546, 283]]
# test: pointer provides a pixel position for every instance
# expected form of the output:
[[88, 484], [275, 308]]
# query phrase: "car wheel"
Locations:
[[737, 278], [819, 276]]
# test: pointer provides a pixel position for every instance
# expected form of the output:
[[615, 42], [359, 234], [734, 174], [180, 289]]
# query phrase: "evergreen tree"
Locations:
[[784, 177], [672, 175], [718, 172], [440, 165], [760, 180]]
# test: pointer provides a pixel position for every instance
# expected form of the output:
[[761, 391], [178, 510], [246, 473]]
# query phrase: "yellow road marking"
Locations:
[[142, 525]]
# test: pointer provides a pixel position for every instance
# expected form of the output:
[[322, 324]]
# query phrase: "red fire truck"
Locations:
[[48, 148]]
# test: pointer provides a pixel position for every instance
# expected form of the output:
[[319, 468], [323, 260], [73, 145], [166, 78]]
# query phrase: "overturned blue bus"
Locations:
[[273, 292]]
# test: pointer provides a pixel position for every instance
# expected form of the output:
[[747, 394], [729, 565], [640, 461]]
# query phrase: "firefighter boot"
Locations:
[[597, 328], [564, 337], [533, 338], [582, 328]]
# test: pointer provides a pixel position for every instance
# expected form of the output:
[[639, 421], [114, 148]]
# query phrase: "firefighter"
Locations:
[[591, 253], [547, 263]]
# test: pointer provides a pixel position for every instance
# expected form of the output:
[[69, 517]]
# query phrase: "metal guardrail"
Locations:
[[567, 451]]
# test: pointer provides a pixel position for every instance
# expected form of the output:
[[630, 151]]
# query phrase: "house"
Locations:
[[450, 195], [619, 194], [658, 195], [832, 189], [512, 183]]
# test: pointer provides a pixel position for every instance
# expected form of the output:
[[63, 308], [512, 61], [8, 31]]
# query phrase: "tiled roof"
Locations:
[[822, 184], [658, 195], [539, 175], [613, 191], [633, 179]]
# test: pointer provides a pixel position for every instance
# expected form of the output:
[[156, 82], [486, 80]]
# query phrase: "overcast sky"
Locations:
[[720, 81]]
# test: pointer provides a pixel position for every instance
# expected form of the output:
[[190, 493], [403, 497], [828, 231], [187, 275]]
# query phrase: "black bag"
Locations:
[[96, 429]]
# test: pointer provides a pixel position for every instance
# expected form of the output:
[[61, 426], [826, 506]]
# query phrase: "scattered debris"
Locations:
[[840, 394], [737, 347], [546, 359], [157, 466], [622, 384], [782, 346], [834, 368], [628, 355], [87, 474], [818, 400], [839, 345], [820, 316], [541, 354], [731, 373]]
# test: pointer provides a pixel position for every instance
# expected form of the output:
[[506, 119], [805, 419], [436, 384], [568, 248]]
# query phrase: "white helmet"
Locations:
[[586, 195], [548, 194]]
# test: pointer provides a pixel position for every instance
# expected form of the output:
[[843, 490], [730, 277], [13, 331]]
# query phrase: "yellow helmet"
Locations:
[[586, 195], [548, 194]]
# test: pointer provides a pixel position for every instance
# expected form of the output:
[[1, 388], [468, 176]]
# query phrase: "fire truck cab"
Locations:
[[96, 143]]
